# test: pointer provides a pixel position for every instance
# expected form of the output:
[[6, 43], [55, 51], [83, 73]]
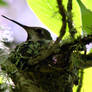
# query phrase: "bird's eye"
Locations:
[[39, 30]]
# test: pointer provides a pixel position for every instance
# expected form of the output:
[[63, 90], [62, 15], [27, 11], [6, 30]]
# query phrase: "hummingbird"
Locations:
[[34, 33]]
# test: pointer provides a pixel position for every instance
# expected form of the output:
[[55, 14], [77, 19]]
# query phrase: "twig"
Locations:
[[72, 30], [86, 61], [81, 81], [62, 11], [82, 41]]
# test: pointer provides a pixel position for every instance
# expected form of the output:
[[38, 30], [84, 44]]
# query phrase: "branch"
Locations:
[[81, 81], [72, 30], [86, 61], [62, 11], [82, 61], [73, 44]]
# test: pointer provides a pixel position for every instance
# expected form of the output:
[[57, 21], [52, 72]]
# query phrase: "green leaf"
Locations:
[[90, 50], [2, 3], [86, 16]]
